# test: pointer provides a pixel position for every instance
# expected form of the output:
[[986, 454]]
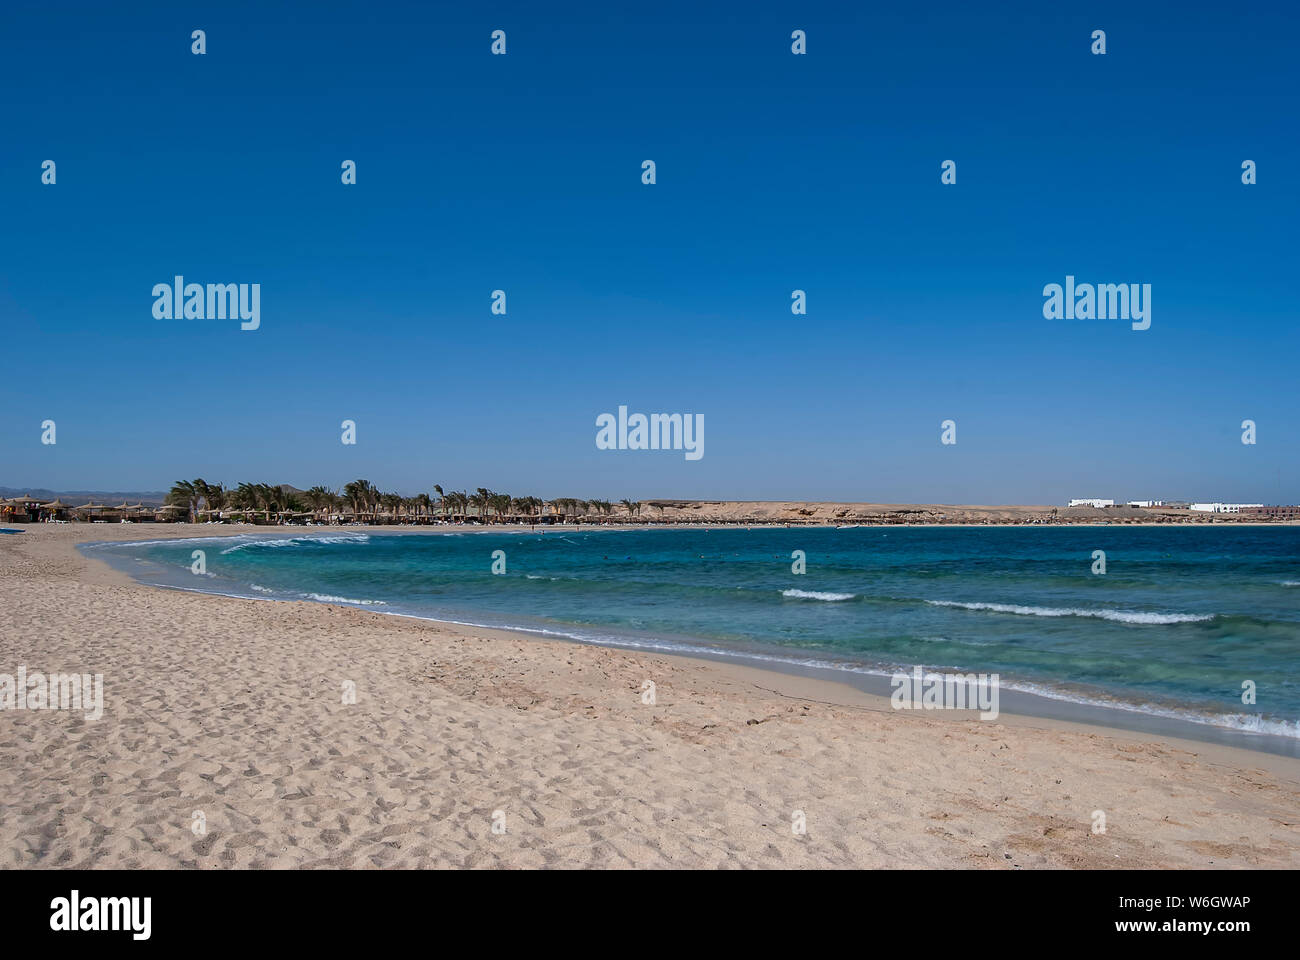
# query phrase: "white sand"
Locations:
[[234, 708]]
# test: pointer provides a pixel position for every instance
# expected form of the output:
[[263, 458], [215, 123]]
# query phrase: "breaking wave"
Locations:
[[299, 541], [1119, 616], [817, 595]]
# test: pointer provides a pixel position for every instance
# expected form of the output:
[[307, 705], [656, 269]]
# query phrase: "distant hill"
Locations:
[[150, 498], [74, 497]]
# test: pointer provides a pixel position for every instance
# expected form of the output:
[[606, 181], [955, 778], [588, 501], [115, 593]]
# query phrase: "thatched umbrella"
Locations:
[[89, 507], [171, 508], [55, 507], [14, 505]]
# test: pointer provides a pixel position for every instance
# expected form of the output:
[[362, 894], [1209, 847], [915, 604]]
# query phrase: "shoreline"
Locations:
[[669, 525], [1112, 718], [558, 729]]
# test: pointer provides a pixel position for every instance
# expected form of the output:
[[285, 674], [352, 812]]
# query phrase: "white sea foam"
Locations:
[[817, 595], [1245, 722], [299, 541], [1119, 616], [328, 598], [1291, 583], [261, 589]]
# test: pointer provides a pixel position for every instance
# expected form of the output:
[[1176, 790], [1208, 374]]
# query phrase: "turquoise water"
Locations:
[[1182, 616]]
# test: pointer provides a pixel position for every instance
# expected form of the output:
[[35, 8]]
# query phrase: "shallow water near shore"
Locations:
[[1163, 641]]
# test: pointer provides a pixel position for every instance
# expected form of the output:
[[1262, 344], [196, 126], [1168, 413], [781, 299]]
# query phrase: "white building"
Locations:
[[1222, 507], [1092, 503], [1146, 503]]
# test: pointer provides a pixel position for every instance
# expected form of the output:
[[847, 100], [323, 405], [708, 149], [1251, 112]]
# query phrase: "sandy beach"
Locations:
[[230, 712]]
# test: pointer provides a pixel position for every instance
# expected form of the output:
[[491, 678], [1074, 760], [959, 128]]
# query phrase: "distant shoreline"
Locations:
[[361, 503]]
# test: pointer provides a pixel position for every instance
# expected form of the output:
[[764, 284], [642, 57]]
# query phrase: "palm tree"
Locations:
[[357, 493], [204, 491], [271, 498], [484, 499], [389, 502], [368, 504], [318, 498], [479, 501], [183, 494], [572, 506], [454, 501], [244, 497], [217, 494]]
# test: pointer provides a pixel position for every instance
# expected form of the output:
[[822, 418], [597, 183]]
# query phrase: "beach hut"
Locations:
[[141, 513], [56, 509], [89, 508], [168, 512], [128, 511], [19, 509]]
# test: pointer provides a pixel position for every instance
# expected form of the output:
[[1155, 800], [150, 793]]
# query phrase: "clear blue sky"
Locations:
[[775, 172]]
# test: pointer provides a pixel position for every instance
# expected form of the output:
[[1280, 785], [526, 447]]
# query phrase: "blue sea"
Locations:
[[1181, 618]]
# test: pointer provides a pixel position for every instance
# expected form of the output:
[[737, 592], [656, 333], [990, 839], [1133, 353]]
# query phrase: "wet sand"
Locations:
[[231, 713]]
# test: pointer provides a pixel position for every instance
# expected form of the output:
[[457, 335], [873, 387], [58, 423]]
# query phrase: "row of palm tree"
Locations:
[[362, 500]]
